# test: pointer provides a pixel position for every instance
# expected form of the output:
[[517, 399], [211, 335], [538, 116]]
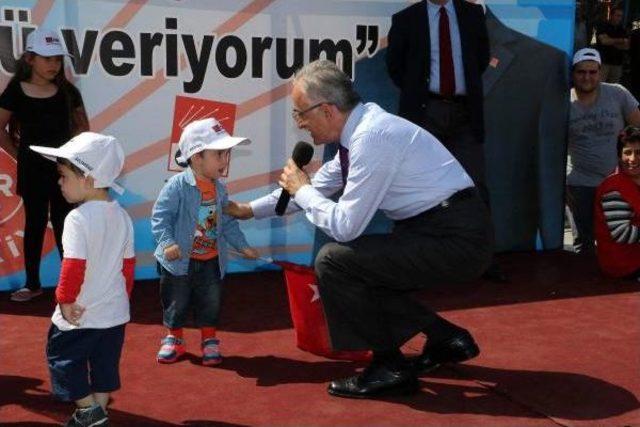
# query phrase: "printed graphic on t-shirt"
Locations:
[[204, 244]]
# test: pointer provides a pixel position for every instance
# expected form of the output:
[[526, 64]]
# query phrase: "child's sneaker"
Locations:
[[88, 417], [172, 348], [211, 352]]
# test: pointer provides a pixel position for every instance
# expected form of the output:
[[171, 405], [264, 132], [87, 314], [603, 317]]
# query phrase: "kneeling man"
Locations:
[[442, 230]]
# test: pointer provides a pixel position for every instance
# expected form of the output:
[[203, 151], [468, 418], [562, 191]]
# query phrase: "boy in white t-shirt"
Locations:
[[87, 332]]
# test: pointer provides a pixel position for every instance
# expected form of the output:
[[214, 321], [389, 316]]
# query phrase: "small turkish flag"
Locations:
[[307, 314]]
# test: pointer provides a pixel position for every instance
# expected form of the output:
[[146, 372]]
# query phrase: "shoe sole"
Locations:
[[211, 362], [18, 298], [405, 390], [169, 361]]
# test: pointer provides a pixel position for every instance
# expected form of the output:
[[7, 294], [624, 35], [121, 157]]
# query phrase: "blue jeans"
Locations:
[[580, 200], [200, 290]]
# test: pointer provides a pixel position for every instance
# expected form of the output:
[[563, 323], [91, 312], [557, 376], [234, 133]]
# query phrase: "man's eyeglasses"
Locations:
[[298, 114]]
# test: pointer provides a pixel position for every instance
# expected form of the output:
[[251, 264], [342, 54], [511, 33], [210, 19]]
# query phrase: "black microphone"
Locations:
[[302, 154]]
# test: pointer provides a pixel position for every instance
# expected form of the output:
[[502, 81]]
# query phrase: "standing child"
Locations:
[[41, 108], [192, 234], [86, 337]]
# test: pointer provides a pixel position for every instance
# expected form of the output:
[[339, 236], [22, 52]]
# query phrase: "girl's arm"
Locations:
[[6, 141]]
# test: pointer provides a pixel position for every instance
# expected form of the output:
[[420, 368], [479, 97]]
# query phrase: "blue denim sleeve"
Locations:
[[164, 213], [230, 225]]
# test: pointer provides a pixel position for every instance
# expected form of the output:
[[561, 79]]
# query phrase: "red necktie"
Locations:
[[447, 74]]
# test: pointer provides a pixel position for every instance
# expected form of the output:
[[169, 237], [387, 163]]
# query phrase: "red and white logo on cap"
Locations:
[[187, 110]]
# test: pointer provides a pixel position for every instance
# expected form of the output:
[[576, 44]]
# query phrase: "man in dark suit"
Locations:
[[437, 52]]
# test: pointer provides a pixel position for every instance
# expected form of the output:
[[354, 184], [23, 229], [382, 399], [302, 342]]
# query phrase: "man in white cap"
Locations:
[[87, 332], [599, 111]]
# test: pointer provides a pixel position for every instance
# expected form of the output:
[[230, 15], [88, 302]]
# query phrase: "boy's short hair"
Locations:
[[626, 136]]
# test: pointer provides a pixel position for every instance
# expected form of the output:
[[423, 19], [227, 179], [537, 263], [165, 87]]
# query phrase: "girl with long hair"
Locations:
[[39, 106]]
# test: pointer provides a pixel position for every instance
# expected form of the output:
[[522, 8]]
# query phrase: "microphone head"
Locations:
[[302, 153]]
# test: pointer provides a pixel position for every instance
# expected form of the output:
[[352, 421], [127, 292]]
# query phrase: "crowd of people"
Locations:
[[423, 168]]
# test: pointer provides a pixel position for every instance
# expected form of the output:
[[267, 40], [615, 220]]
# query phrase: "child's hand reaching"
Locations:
[[172, 253], [250, 253], [72, 313]]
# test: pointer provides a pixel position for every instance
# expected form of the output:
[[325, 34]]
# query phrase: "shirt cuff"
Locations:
[[306, 195], [262, 207]]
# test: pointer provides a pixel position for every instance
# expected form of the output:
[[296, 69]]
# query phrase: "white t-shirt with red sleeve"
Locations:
[[98, 235]]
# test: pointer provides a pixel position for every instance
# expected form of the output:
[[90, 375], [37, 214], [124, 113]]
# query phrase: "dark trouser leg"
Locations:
[[451, 124], [365, 284], [207, 292], [175, 296], [580, 200], [36, 211]]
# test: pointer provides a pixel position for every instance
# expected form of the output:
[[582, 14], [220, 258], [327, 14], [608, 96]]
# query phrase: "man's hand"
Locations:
[[293, 178], [250, 253], [238, 210], [172, 253], [72, 313]]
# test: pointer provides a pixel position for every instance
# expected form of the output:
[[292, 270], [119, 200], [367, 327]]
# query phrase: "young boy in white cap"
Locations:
[[192, 234], [87, 332]]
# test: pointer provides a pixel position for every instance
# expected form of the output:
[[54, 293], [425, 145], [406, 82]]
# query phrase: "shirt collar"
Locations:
[[434, 9], [350, 126]]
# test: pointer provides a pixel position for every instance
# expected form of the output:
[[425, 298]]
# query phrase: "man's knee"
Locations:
[[330, 257]]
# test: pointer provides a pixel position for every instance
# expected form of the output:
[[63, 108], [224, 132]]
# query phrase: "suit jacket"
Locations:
[[409, 58], [526, 114]]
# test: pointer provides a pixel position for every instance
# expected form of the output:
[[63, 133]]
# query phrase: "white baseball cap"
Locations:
[[45, 43], [206, 134], [586, 54], [99, 156]]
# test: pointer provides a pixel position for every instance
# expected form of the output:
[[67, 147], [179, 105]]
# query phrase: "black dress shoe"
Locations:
[[456, 349], [376, 381]]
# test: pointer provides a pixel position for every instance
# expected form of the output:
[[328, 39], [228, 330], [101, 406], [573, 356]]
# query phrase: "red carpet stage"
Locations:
[[560, 347]]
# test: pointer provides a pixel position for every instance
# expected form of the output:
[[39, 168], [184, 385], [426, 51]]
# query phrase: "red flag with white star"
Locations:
[[307, 314]]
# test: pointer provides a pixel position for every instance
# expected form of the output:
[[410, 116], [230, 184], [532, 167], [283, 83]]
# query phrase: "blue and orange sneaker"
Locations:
[[172, 348], [211, 352]]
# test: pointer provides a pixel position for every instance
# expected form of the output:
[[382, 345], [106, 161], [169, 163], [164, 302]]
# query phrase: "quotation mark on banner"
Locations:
[[367, 35]]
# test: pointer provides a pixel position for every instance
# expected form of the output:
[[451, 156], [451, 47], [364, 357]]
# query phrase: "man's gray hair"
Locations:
[[323, 81]]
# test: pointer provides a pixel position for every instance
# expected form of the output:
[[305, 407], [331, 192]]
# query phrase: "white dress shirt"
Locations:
[[433, 10], [395, 166]]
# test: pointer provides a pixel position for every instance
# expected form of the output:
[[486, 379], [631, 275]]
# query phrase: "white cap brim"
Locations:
[[220, 144], [51, 153], [50, 53]]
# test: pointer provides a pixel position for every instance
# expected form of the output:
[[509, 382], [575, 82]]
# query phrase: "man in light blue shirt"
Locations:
[[442, 230]]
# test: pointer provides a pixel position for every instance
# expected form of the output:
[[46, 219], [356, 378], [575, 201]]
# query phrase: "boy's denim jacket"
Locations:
[[174, 216]]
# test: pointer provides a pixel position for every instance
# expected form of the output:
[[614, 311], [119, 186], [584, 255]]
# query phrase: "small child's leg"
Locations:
[[102, 399], [207, 332], [86, 401], [207, 301], [176, 332], [175, 295]]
